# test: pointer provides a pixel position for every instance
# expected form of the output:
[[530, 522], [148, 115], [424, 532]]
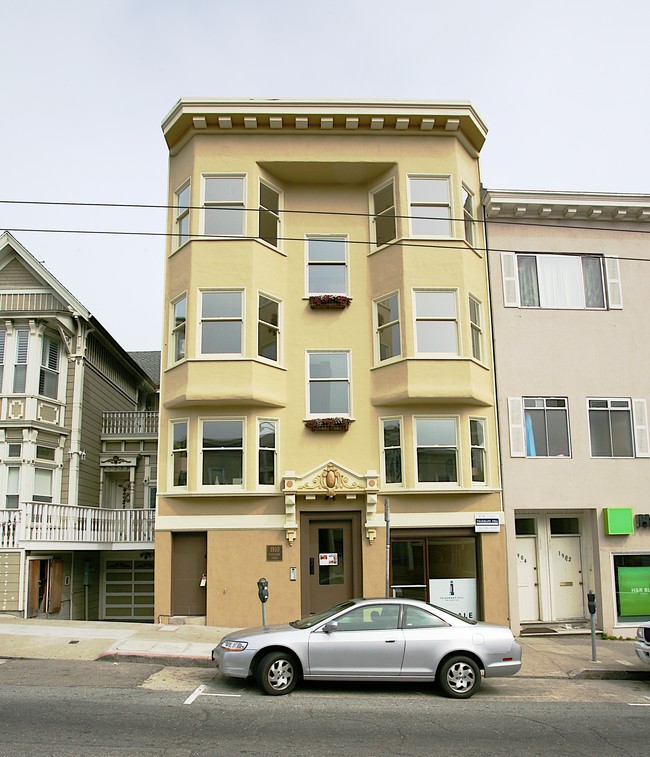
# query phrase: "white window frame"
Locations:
[[232, 204], [611, 281], [477, 340], [380, 328], [447, 319], [384, 448], [20, 353], [222, 419], [50, 348], [223, 319], [345, 263], [3, 340], [347, 380], [274, 327], [260, 422], [517, 426], [182, 215], [13, 493], [469, 215], [417, 208], [178, 331], [262, 209], [638, 416], [482, 447], [50, 471], [381, 215], [416, 446], [173, 452]]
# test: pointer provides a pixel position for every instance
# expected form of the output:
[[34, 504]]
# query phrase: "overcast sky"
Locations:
[[85, 85]]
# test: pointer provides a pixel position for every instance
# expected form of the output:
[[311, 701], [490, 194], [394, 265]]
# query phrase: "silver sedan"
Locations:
[[372, 640]]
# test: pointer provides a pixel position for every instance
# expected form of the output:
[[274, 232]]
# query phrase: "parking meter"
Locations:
[[591, 602], [263, 589], [263, 594]]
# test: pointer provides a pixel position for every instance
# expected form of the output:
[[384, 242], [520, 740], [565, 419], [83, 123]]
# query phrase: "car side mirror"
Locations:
[[331, 626]]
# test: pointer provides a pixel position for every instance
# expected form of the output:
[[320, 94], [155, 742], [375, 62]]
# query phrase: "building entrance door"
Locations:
[[189, 566], [330, 559], [45, 581], [527, 580], [566, 576]]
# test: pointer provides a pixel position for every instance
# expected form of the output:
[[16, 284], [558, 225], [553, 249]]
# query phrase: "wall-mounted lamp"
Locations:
[[80, 452]]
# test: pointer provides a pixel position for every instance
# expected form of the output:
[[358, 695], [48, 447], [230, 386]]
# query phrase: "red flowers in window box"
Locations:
[[329, 301], [328, 424]]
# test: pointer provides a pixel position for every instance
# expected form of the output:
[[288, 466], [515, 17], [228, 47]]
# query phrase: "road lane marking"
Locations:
[[624, 662], [201, 692]]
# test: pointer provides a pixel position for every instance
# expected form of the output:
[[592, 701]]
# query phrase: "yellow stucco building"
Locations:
[[326, 361]]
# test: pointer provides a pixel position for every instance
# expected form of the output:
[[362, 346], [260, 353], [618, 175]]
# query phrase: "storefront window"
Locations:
[[632, 581]]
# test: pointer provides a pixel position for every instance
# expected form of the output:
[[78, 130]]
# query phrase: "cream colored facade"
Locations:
[[326, 268], [569, 279]]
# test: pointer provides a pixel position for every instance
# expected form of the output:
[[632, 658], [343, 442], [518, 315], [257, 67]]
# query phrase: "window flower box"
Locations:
[[328, 424], [329, 301]]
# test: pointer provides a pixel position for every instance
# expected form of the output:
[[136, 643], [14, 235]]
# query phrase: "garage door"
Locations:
[[128, 590]]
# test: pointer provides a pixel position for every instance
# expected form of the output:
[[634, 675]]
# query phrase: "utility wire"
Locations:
[[494, 222]]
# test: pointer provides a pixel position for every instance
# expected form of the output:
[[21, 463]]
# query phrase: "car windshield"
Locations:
[[312, 620], [453, 614]]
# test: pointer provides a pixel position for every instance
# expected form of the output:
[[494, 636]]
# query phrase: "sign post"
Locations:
[[387, 519]]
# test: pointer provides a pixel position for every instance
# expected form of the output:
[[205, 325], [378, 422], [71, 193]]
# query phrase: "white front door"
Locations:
[[566, 578], [527, 579]]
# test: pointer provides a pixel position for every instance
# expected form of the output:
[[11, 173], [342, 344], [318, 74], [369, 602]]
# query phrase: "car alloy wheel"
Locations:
[[459, 677], [277, 673]]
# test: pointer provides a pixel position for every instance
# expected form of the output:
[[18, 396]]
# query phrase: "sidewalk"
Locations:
[[556, 656]]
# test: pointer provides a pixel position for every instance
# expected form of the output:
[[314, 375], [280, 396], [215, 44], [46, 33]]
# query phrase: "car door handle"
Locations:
[[390, 641]]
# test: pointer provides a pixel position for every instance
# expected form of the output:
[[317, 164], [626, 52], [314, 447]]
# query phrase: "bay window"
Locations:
[[436, 450], [430, 206], [436, 325], [222, 452], [388, 328], [391, 429], [221, 322], [223, 206], [179, 453]]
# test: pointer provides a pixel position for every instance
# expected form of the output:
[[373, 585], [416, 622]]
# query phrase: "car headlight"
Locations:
[[233, 646], [639, 634]]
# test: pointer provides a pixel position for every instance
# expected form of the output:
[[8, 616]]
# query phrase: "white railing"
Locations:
[[38, 521], [141, 422], [9, 528]]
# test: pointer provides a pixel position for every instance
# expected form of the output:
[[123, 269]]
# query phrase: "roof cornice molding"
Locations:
[[566, 206], [218, 116]]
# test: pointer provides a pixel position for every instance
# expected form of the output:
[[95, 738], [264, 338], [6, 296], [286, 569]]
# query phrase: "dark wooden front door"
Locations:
[[330, 560], [189, 565]]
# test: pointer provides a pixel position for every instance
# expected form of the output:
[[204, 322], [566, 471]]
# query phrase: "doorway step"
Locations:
[[186, 620], [551, 629]]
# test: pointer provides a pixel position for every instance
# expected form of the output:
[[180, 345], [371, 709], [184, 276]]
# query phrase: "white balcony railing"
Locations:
[[131, 423], [9, 528], [38, 521]]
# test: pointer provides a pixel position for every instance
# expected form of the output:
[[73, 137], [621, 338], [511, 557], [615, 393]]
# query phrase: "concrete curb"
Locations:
[[175, 661]]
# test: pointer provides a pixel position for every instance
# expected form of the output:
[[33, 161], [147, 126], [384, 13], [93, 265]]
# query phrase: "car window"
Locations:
[[416, 617], [370, 618], [312, 620]]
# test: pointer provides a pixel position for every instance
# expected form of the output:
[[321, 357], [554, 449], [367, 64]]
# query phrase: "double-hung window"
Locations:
[[476, 326], [20, 366], [558, 281], [383, 214], [618, 427], [388, 328], [329, 383], [182, 217], [269, 230], [179, 453], [43, 484], [222, 322], [436, 450], [48, 383], [179, 323], [268, 328], [436, 324], [3, 335], [391, 430], [223, 205], [223, 452], [468, 215], [539, 427], [477, 449], [430, 206], [327, 264], [266, 452], [12, 495]]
